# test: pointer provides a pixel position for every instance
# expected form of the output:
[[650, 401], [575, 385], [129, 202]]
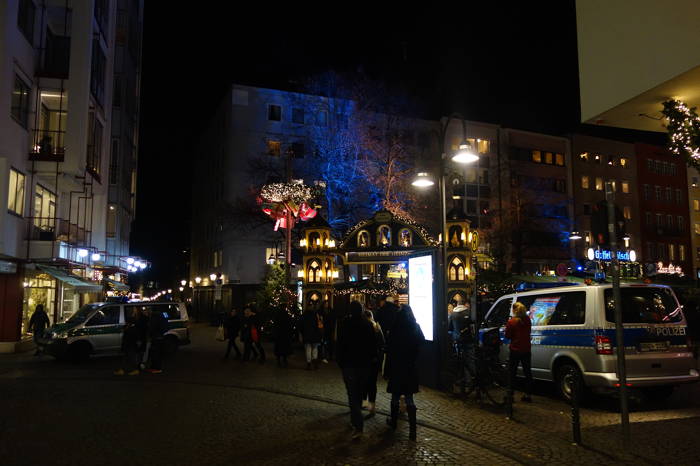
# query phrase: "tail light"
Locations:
[[603, 345]]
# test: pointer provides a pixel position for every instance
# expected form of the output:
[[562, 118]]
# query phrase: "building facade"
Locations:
[[694, 212], [57, 64]]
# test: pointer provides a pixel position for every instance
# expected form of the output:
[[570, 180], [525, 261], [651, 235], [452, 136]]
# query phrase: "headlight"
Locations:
[[58, 335]]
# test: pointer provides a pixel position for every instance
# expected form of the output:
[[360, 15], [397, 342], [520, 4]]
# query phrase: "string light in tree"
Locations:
[[683, 130]]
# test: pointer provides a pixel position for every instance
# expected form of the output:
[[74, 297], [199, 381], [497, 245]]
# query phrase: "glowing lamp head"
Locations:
[[198, 280], [422, 180], [129, 260], [96, 256], [300, 274], [170, 290], [591, 254], [82, 252], [465, 155], [142, 265], [331, 243], [212, 277], [574, 235], [633, 255], [183, 283], [182, 288]]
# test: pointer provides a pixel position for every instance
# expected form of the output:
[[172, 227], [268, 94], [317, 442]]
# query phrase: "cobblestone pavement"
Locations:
[[204, 409]]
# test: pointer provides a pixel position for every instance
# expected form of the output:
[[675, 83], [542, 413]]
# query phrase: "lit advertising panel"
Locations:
[[420, 292]]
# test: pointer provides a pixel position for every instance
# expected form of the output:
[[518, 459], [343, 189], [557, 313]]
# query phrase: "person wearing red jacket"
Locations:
[[518, 331]]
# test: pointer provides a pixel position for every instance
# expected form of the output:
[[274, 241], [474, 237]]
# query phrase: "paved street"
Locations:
[[205, 411]]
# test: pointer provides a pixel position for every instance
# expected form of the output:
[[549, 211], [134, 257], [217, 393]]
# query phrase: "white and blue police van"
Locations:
[[573, 334]]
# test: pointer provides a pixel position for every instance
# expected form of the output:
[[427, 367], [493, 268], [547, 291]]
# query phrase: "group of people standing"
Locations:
[[142, 341], [247, 326], [365, 344]]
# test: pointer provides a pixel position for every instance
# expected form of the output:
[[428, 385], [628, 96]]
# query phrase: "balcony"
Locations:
[[56, 229], [48, 146]]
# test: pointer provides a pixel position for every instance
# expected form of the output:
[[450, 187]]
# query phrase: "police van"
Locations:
[[573, 334], [97, 328]]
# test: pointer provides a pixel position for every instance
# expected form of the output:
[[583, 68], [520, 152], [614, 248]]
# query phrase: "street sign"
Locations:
[[562, 270]]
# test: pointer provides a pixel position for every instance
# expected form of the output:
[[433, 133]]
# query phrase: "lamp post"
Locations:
[[465, 155]]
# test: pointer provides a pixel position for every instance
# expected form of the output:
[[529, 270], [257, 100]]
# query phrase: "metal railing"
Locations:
[[47, 145], [56, 229]]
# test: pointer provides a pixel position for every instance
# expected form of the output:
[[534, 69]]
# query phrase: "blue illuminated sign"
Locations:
[[604, 255]]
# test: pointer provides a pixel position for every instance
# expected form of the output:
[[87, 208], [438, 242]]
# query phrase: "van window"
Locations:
[[105, 316], [499, 315], [644, 306], [556, 308], [81, 314]]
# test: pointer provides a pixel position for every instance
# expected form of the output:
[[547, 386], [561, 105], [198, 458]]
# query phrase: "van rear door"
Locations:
[[655, 331]]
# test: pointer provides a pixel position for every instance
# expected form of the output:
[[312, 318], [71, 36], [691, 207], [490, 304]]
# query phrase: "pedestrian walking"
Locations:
[[252, 336], [38, 324], [357, 350], [131, 342], [157, 326], [311, 334], [518, 330], [282, 334], [386, 314], [232, 327], [403, 346], [329, 332], [370, 393]]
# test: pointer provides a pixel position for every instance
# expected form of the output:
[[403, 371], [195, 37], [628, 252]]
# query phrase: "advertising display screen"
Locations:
[[542, 309], [420, 292]]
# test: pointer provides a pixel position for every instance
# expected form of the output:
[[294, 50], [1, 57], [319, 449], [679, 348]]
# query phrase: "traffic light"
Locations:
[[599, 224]]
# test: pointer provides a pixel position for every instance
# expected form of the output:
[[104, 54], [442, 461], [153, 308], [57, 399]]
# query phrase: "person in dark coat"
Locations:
[[232, 327], [357, 351], [251, 335], [403, 345], [386, 314], [329, 332], [282, 334], [157, 326], [311, 334], [370, 393], [37, 325], [131, 342]]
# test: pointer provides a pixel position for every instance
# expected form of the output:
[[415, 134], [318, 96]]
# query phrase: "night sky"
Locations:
[[516, 66]]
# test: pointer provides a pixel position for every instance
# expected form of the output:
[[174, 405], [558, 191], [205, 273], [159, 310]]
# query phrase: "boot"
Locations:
[[411, 422], [391, 421]]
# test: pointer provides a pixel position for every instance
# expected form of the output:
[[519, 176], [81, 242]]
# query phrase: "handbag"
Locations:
[[254, 335], [220, 333], [319, 322]]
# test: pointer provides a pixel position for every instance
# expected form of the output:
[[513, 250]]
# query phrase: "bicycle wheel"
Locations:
[[495, 382]]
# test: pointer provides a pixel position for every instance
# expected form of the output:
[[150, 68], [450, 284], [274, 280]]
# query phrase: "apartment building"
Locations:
[[694, 205], [57, 66]]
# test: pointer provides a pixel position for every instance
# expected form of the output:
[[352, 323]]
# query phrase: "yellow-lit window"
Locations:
[[697, 228], [584, 182], [696, 205], [681, 252], [536, 156], [627, 212], [625, 187], [483, 146], [671, 252], [614, 185], [15, 199], [624, 163], [274, 148], [548, 158], [583, 157], [599, 184], [559, 159]]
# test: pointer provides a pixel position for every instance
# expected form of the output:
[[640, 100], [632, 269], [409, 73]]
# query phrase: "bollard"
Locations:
[[575, 416]]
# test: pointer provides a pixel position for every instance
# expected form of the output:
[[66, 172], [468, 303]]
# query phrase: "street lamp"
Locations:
[[465, 155], [198, 280], [183, 282], [574, 235]]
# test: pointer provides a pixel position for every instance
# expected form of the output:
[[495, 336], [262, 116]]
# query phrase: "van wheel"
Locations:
[[566, 375], [170, 345], [79, 351]]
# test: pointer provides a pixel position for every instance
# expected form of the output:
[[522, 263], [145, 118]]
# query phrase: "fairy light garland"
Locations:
[[683, 130], [425, 235], [373, 288], [283, 192]]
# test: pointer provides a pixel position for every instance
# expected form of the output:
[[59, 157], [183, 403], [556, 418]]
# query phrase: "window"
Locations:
[[104, 316], [499, 315], [482, 146], [322, 118], [342, 120], [314, 273], [624, 163], [679, 196], [681, 223], [681, 252], [456, 272], [114, 162], [669, 221], [44, 208], [588, 237], [625, 187], [584, 182], [274, 148], [696, 205], [556, 308], [405, 238], [651, 251], [25, 19], [586, 209], [15, 199], [536, 156], [643, 306], [657, 190], [111, 228], [697, 228], [101, 13], [671, 252], [613, 183], [298, 116], [97, 75], [647, 192], [597, 158], [298, 150], [548, 156], [599, 184], [659, 220], [219, 258], [627, 212], [669, 195], [648, 217], [611, 160], [560, 186], [384, 235], [363, 239], [274, 113], [20, 102], [49, 134], [94, 148], [583, 157]]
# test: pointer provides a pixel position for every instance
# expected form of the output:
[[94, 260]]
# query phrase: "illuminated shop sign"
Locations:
[[671, 269], [605, 255]]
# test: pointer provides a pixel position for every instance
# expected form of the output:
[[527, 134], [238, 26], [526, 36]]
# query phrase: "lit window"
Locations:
[[657, 190], [274, 113], [681, 252], [314, 271], [274, 148], [584, 182], [44, 208], [696, 205], [456, 272], [384, 235], [614, 185], [405, 239], [363, 239], [599, 184], [19, 107], [624, 163], [625, 187], [559, 158], [671, 252], [697, 228], [536, 156], [627, 212], [483, 146], [15, 200], [611, 160], [548, 158], [583, 157], [588, 237]]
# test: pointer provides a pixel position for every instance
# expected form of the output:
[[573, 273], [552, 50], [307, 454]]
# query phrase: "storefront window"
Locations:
[[40, 289]]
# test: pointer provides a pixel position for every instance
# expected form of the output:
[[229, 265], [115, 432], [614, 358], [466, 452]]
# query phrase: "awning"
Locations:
[[83, 286], [119, 286]]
